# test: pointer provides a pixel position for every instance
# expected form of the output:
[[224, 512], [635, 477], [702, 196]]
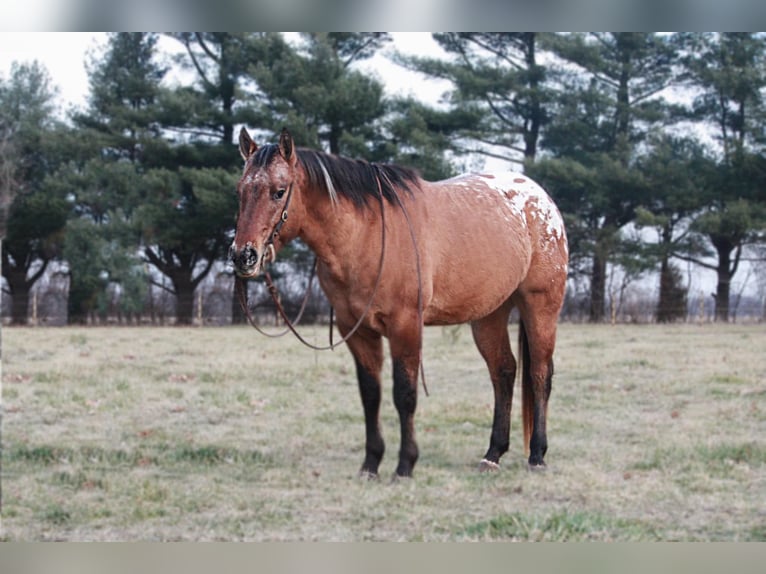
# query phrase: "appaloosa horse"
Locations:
[[396, 252]]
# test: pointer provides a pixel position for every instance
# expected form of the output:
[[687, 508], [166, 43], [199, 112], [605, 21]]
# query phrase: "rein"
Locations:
[[270, 250]]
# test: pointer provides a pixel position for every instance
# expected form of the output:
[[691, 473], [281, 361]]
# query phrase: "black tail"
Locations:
[[527, 395]]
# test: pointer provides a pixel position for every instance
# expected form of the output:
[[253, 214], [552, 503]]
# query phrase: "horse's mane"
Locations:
[[355, 179]]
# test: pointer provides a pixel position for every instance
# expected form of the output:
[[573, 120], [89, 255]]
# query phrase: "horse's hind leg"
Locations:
[[491, 337], [537, 338], [367, 349]]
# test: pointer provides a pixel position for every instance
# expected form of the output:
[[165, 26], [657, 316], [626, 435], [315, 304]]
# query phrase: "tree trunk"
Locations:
[[664, 312], [597, 287], [17, 284], [184, 300], [532, 134], [723, 287]]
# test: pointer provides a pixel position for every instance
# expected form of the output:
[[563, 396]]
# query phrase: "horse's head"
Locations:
[[265, 191]]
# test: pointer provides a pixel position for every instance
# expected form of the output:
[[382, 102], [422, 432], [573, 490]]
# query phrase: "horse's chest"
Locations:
[[352, 298]]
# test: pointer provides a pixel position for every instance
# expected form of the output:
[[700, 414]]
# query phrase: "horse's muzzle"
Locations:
[[246, 262]]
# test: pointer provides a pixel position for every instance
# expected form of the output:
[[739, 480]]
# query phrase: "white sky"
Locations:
[[64, 54]]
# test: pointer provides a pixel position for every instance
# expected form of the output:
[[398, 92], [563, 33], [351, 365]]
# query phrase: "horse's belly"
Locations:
[[468, 300]]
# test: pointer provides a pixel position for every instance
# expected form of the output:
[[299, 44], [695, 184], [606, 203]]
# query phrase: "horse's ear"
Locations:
[[286, 146], [247, 146]]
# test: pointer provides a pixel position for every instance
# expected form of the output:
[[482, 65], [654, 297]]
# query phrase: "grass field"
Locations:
[[655, 433]]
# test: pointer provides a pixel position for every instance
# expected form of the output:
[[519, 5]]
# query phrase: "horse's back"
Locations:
[[486, 235]]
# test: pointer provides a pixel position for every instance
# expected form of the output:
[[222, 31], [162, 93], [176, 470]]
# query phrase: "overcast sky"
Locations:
[[64, 55]]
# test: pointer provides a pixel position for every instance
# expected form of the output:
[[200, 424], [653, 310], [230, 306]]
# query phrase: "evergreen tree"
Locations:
[[604, 113], [501, 95], [114, 143], [29, 153], [205, 113], [220, 97], [729, 70], [315, 91], [675, 173], [185, 227]]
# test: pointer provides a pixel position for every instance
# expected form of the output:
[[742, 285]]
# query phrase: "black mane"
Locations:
[[358, 180]]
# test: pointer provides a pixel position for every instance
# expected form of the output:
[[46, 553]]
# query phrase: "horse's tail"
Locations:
[[527, 395]]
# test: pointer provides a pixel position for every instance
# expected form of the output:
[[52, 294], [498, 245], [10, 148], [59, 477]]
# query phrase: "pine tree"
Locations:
[[729, 70], [501, 95], [675, 173], [36, 214], [604, 113], [115, 140]]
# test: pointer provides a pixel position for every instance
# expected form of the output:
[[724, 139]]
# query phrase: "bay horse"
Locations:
[[396, 252]]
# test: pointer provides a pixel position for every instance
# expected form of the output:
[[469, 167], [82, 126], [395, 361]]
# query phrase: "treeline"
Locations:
[[651, 144]]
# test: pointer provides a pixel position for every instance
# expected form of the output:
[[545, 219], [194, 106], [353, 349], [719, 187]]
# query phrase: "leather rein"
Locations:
[[270, 251]]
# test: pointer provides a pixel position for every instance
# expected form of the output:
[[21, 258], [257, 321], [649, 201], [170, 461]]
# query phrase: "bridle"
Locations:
[[269, 246], [270, 250]]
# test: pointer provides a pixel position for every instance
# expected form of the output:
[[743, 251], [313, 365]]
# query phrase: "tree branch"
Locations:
[[695, 260], [496, 52], [37, 274], [737, 256], [155, 260], [162, 286], [196, 280], [200, 71]]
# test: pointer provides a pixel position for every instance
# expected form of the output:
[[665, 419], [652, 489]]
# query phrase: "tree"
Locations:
[[115, 141], [604, 112], [28, 155], [185, 227], [315, 90], [221, 96], [676, 172], [729, 70], [501, 95]]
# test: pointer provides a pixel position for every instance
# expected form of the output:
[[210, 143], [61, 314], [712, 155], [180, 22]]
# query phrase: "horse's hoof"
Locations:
[[488, 466], [397, 478], [541, 467], [367, 475]]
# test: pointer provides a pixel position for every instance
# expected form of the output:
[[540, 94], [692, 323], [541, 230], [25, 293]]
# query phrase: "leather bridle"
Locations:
[[270, 250]]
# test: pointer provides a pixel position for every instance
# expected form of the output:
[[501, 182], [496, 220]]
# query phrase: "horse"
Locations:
[[396, 252]]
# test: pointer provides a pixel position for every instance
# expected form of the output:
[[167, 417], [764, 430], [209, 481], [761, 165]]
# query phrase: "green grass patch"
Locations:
[[757, 533], [654, 461], [212, 455], [750, 453], [158, 454], [559, 527], [727, 379], [56, 515]]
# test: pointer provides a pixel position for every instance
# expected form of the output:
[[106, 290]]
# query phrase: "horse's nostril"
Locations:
[[251, 256], [245, 259]]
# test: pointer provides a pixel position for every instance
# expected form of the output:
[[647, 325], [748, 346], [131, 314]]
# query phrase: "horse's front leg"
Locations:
[[367, 349], [405, 355]]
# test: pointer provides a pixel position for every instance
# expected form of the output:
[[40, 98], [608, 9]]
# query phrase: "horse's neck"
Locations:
[[337, 233]]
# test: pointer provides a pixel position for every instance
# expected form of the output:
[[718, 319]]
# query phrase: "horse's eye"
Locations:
[[278, 194]]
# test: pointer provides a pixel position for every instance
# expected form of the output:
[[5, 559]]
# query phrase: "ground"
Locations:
[[655, 433]]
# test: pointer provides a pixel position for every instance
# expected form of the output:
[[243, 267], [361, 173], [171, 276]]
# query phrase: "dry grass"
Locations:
[[656, 433]]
